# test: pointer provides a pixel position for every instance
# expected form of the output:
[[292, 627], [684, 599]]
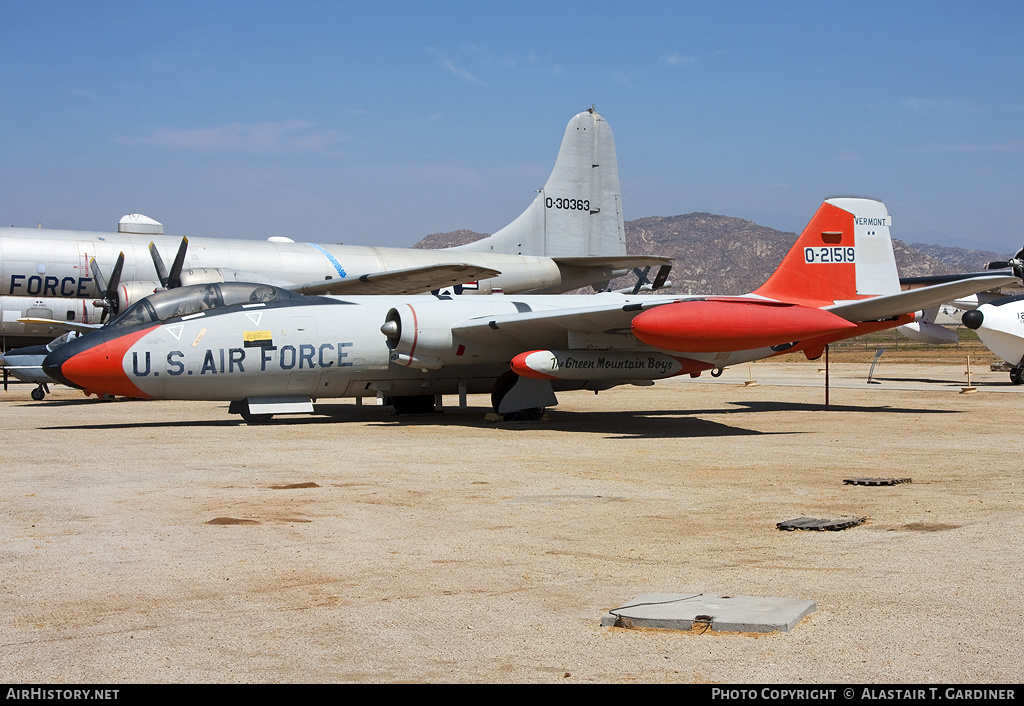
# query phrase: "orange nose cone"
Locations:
[[99, 369], [713, 326]]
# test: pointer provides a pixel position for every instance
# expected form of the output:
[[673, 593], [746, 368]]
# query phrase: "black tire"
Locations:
[[38, 394], [1017, 376], [241, 407], [505, 382], [534, 414], [251, 418]]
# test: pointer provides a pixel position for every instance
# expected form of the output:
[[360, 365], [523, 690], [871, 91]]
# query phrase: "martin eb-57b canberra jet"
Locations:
[[270, 351], [571, 236]]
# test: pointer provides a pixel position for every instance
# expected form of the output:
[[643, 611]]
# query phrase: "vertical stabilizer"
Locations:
[[844, 253], [578, 213]]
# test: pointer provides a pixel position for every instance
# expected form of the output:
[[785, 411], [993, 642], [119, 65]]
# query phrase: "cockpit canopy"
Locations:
[[196, 298]]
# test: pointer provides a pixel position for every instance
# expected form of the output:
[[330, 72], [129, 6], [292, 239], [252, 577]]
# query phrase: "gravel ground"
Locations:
[[168, 542]]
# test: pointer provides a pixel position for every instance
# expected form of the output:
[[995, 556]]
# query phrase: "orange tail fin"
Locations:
[[844, 253]]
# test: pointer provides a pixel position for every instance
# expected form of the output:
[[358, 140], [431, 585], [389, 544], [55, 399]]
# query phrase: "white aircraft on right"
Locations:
[[1000, 324], [997, 316]]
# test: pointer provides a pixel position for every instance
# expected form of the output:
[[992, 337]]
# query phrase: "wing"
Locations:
[[414, 280], [891, 305], [725, 323], [547, 327]]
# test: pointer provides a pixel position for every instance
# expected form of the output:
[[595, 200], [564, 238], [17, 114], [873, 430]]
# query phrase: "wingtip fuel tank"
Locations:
[[707, 326]]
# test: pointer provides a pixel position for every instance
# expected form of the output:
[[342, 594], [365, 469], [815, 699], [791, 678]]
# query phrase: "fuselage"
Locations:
[[240, 341], [318, 347]]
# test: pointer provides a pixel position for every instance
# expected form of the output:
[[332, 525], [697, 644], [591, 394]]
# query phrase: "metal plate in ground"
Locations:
[[813, 523], [875, 481], [682, 611]]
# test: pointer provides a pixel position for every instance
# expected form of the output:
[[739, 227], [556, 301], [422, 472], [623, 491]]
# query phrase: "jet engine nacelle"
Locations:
[[928, 332], [420, 333], [417, 341]]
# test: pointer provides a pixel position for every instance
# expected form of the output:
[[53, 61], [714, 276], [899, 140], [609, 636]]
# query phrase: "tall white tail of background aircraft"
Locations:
[[268, 351], [571, 236]]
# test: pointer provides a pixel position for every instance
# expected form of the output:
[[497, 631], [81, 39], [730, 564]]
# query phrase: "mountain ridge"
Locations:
[[717, 254]]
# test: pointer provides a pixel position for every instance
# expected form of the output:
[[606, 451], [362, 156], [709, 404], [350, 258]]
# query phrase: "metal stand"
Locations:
[[878, 354], [826, 376], [970, 388]]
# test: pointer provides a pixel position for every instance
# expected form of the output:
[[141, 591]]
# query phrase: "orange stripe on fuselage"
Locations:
[[100, 369]]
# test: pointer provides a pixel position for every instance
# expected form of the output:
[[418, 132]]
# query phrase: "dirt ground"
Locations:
[[169, 542]]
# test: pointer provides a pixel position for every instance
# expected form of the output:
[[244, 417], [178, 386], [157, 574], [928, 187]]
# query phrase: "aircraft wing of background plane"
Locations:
[[413, 280], [420, 280]]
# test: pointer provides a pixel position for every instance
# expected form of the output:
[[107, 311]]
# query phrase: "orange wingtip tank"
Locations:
[[709, 326]]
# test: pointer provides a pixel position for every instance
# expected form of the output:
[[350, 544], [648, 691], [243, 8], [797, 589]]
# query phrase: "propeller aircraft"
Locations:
[[571, 236]]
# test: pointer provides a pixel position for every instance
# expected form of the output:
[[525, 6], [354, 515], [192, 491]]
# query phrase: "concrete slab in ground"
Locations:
[[680, 611]]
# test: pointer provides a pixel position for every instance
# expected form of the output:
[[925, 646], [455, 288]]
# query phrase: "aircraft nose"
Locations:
[[95, 363], [973, 319], [52, 365]]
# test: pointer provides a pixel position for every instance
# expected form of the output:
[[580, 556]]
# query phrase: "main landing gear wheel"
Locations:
[[38, 394], [251, 418], [241, 407], [1017, 376], [502, 386]]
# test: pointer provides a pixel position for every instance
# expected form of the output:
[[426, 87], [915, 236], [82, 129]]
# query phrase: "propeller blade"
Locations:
[[112, 287], [997, 265], [158, 263], [5, 379], [174, 276], [641, 278], [115, 279], [661, 277], [97, 274]]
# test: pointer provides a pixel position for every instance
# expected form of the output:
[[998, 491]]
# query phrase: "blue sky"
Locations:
[[379, 123]]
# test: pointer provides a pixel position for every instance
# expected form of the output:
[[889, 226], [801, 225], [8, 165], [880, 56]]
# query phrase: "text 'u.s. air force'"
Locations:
[[216, 361]]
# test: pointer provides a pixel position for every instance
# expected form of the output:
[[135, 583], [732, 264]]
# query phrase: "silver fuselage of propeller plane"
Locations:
[[269, 351]]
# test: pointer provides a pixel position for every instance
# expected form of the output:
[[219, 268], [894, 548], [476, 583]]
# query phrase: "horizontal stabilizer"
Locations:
[[892, 305], [623, 262], [414, 280]]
